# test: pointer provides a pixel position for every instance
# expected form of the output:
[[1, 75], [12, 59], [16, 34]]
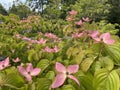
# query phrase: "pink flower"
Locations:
[[73, 12], [12, 50], [16, 60], [41, 41], [79, 23], [77, 35], [105, 37], [69, 18], [93, 33], [63, 73], [47, 49], [50, 35], [86, 19], [29, 45], [29, 71], [25, 38], [56, 49], [4, 63], [18, 36]]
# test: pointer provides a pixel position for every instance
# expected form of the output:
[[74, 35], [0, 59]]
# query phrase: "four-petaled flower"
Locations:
[[4, 63], [79, 23], [73, 12], [29, 71], [105, 37], [63, 73], [16, 60]]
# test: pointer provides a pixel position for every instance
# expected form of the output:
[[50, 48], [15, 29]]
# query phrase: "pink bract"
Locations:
[[62, 74], [73, 12], [79, 23], [86, 19], [105, 37], [4, 63], [16, 60], [29, 71], [77, 35]]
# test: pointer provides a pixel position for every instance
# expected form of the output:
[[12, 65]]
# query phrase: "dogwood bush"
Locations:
[[81, 59]]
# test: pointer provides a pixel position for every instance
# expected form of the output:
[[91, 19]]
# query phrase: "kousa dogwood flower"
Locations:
[[13, 50], [29, 71], [29, 45], [50, 35], [105, 37], [18, 36], [73, 12], [4, 63], [16, 60], [26, 39], [41, 41], [63, 73], [93, 34], [79, 23], [77, 35], [56, 49], [69, 18], [47, 49], [86, 19]]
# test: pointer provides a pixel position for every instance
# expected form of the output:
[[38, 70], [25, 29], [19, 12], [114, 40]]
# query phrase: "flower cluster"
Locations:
[[96, 36]]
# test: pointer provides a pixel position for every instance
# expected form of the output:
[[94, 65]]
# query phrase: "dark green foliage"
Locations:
[[2, 10]]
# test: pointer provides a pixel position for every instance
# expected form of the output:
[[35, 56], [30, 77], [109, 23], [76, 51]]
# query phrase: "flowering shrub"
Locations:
[[80, 59]]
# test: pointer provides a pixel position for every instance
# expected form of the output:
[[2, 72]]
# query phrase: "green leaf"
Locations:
[[50, 75], [69, 52], [106, 80], [85, 65], [107, 63], [86, 81], [12, 80], [31, 54], [68, 87], [43, 64], [43, 84], [79, 57], [114, 52]]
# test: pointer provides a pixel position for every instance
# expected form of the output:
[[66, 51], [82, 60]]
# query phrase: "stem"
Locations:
[[100, 50]]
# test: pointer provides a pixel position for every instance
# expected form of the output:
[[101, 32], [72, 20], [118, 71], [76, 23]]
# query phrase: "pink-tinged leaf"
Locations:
[[28, 77], [72, 69], [74, 78], [35, 71], [60, 67], [22, 70], [29, 67], [6, 62], [59, 80]]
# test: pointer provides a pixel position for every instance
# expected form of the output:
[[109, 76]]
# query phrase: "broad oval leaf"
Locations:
[[106, 80]]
